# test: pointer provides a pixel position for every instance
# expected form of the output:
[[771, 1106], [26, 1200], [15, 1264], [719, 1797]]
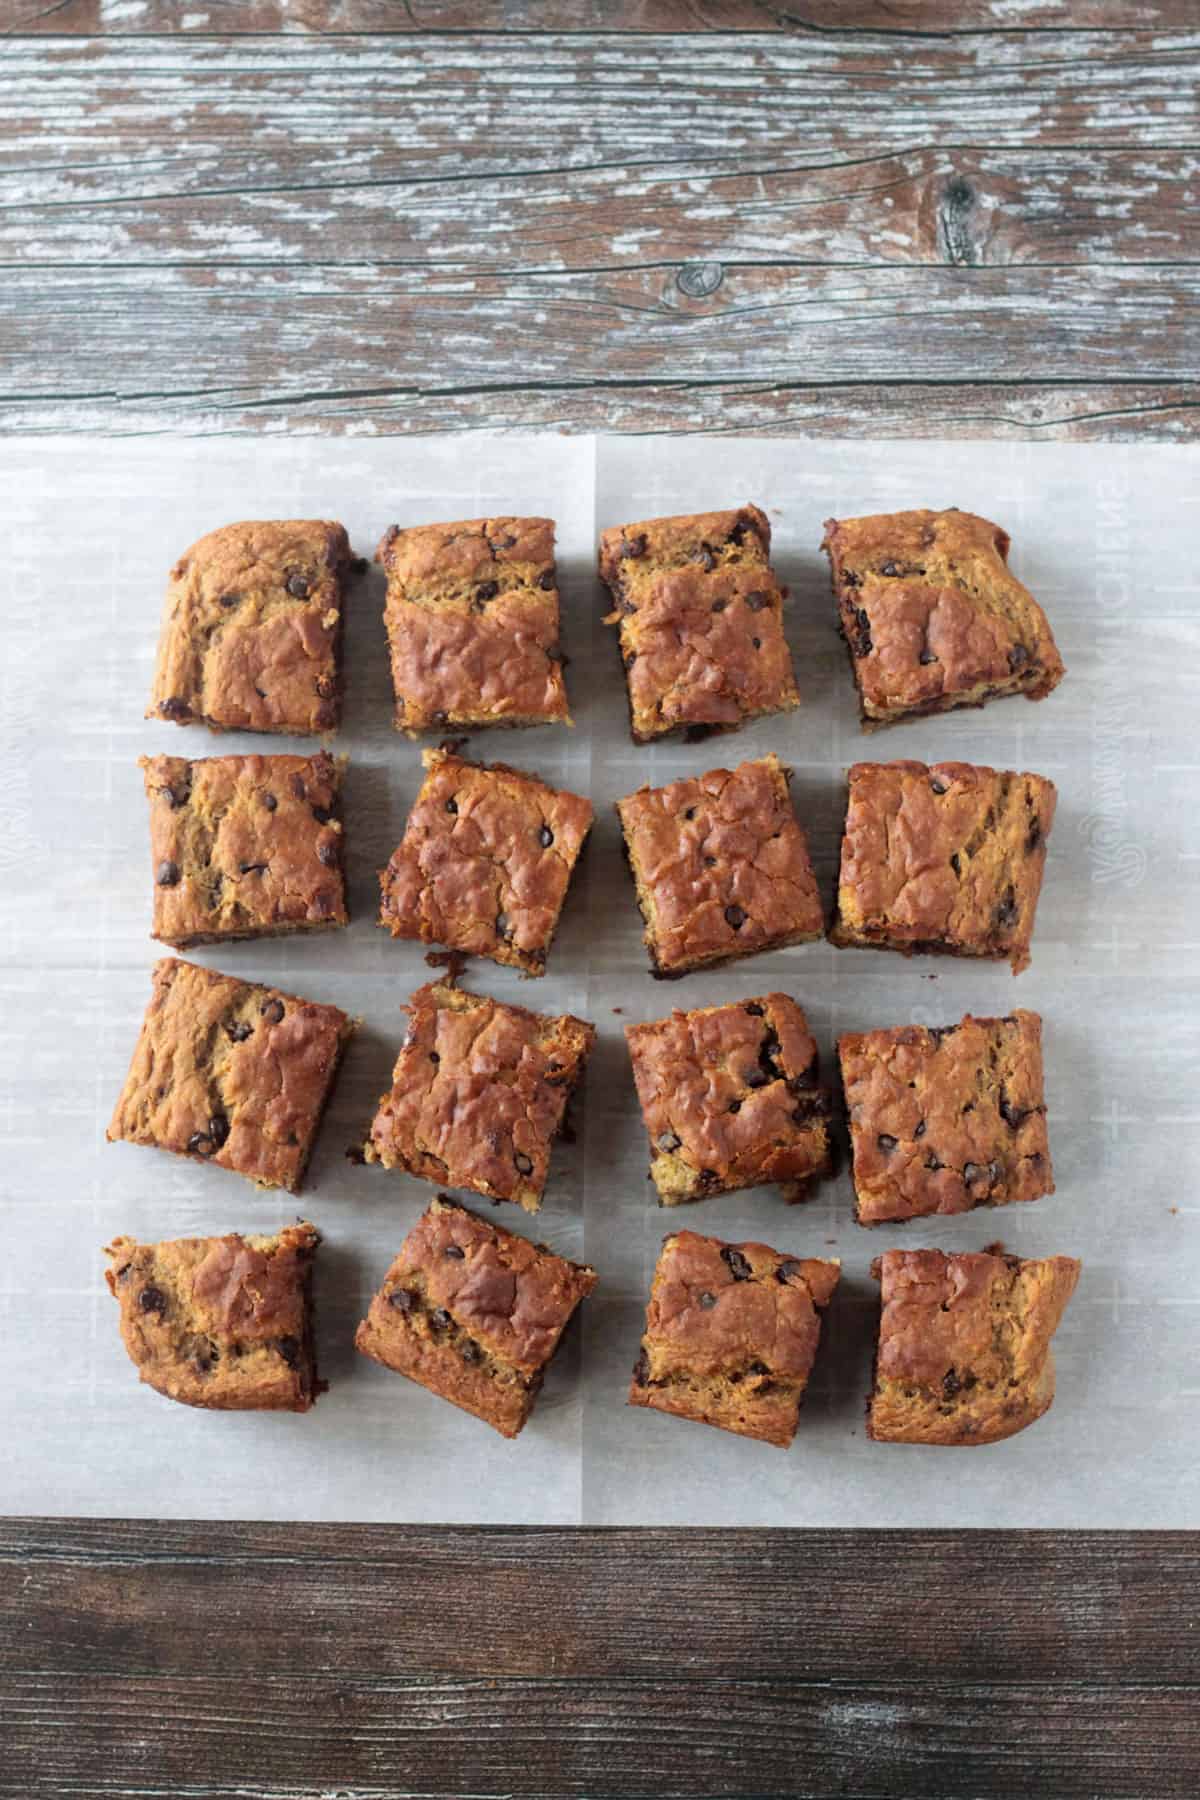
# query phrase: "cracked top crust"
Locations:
[[230, 1072], [512, 1298], [964, 1344], [945, 857], [485, 861], [478, 1094], [729, 1096], [251, 630], [221, 1322], [472, 622], [700, 617], [947, 1118], [731, 1333], [244, 846], [932, 615], [721, 866]]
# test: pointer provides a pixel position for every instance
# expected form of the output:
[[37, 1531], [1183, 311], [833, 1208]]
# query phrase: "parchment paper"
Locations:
[[1104, 535]]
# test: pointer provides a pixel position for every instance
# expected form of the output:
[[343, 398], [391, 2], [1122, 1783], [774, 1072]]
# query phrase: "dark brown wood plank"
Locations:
[[962, 205], [925, 18], [1071, 1608]]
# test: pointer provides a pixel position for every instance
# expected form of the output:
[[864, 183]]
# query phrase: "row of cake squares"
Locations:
[[947, 857], [475, 1313], [942, 1119], [932, 616]]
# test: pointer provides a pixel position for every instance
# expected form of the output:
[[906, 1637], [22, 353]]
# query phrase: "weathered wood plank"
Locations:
[[670, 1735], [911, 17], [370, 1602], [959, 205]]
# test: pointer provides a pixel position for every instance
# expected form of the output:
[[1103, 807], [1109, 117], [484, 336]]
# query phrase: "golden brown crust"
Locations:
[[964, 1344], [485, 862], [729, 1097], [731, 1333], [932, 615], [251, 630], [700, 618], [244, 846], [474, 1313], [230, 1072], [946, 857], [721, 866], [221, 1322], [948, 1118], [472, 624], [478, 1094]]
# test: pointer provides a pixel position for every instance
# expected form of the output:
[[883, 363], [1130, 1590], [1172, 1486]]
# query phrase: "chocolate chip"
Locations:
[[938, 787], [668, 1141], [238, 1032], [199, 1144], [454, 1253], [932, 1163], [322, 814], [270, 802], [1035, 836], [754, 1009], [289, 1349], [1018, 656], [547, 579], [739, 1268], [440, 1319], [956, 863], [920, 1131], [719, 605], [440, 717], [167, 874], [218, 1129], [206, 1356], [230, 600], [470, 1351], [890, 568], [251, 868], [523, 1162], [630, 658], [951, 1385], [641, 1370], [861, 643], [634, 546], [487, 590], [434, 1058], [735, 916], [757, 1078], [174, 797], [1007, 911], [974, 1172], [1014, 1116], [402, 1299], [329, 852], [297, 587], [786, 1270], [850, 579], [738, 534], [174, 708], [545, 837], [707, 1301], [886, 1141], [272, 1011], [690, 812], [503, 927], [757, 642], [705, 558], [757, 601], [735, 1106], [152, 1300], [502, 543], [926, 657]]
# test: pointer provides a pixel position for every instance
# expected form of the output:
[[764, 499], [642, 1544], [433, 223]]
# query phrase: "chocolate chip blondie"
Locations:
[[472, 624], [721, 867], [252, 628], [231, 1072], [944, 1118], [700, 622], [943, 858], [474, 1313], [221, 1322], [478, 1094], [244, 846], [964, 1344], [731, 1334], [730, 1098], [932, 615]]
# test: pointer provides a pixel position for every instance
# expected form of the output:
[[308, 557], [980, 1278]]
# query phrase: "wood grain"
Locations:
[[255, 1660]]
